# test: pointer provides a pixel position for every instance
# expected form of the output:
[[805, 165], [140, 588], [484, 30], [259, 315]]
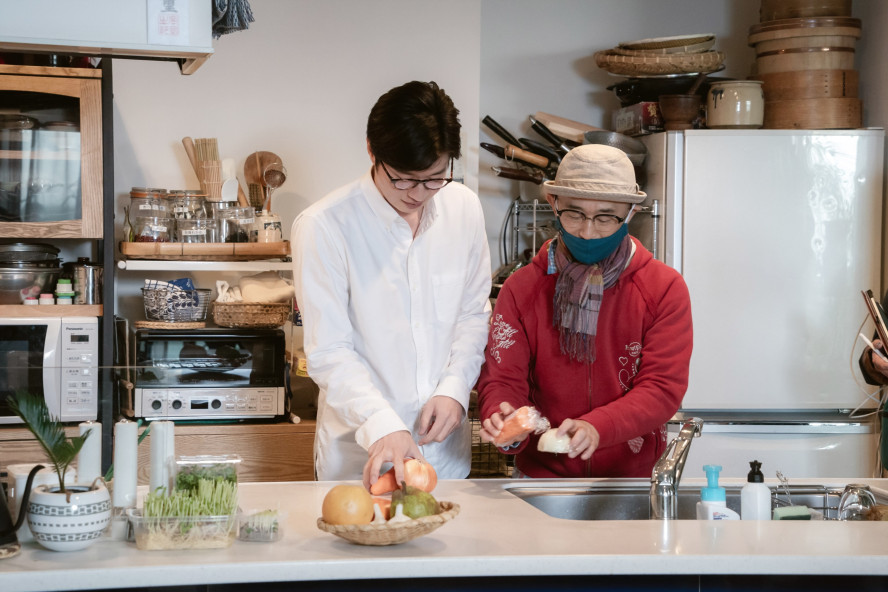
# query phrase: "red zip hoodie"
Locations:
[[636, 383]]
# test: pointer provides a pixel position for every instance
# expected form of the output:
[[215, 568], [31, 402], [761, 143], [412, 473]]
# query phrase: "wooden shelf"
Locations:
[[269, 452], [40, 154], [18, 311], [205, 251]]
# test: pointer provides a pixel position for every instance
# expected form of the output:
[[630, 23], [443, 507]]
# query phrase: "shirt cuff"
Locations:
[[382, 423]]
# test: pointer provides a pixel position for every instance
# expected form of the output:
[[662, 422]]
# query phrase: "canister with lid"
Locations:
[[188, 206], [86, 281], [154, 229], [197, 230], [266, 228], [148, 202]]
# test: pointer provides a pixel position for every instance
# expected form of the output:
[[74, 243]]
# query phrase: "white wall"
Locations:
[[301, 80]]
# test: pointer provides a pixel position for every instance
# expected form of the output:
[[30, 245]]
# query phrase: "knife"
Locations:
[[541, 149], [517, 174], [511, 152], [500, 131], [547, 134]]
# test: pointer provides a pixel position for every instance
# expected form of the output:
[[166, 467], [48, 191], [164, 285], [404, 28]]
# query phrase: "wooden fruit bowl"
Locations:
[[392, 534]]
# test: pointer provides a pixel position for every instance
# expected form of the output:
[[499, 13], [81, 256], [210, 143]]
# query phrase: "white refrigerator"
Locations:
[[775, 232]]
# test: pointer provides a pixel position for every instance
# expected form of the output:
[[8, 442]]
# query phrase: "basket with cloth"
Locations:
[[261, 300]]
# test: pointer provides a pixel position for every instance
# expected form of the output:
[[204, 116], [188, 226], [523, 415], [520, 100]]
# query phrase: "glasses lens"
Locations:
[[605, 221], [404, 184], [571, 219], [436, 183]]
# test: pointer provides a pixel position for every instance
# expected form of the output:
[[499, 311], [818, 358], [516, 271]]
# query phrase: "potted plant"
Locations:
[[61, 518]]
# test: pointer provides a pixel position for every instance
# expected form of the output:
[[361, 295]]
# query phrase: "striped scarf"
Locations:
[[578, 292]]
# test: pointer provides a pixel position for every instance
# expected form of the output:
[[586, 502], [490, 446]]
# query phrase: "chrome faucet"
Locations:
[[667, 471]]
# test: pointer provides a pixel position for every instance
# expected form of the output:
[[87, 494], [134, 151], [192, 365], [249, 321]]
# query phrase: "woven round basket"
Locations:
[[392, 534], [250, 314], [675, 63], [669, 43]]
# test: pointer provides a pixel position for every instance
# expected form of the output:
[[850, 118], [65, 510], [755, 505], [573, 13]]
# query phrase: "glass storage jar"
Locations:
[[197, 230], [148, 202], [189, 207], [235, 224], [154, 229]]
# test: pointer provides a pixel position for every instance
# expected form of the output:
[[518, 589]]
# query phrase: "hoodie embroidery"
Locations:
[[629, 365], [635, 444], [501, 334]]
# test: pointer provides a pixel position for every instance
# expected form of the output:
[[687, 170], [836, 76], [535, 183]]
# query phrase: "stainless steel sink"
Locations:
[[633, 502]]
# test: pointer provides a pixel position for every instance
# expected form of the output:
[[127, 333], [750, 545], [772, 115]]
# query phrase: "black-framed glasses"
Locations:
[[575, 220], [404, 184]]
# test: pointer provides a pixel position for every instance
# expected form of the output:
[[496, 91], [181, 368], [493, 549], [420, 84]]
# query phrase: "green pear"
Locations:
[[416, 502]]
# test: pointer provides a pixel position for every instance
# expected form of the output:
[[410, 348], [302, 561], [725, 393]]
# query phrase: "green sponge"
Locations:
[[792, 513]]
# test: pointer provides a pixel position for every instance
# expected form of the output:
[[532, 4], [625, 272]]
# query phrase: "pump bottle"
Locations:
[[755, 497], [713, 501]]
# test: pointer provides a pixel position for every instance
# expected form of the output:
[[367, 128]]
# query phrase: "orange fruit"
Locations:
[[347, 504]]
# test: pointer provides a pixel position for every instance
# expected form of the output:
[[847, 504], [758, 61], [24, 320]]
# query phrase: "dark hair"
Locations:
[[411, 126]]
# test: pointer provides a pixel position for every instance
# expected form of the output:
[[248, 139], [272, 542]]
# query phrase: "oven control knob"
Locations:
[[156, 405], [216, 403], [177, 404]]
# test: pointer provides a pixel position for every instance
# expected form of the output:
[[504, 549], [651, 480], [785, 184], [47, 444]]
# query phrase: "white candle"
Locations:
[[126, 461], [163, 453], [89, 459]]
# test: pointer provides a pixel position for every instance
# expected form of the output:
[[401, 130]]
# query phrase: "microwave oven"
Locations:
[[56, 358], [207, 374]]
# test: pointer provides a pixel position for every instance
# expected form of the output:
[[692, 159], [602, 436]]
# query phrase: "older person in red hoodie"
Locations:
[[594, 333]]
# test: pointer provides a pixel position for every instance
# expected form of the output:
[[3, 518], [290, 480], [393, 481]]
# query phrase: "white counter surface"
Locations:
[[495, 534]]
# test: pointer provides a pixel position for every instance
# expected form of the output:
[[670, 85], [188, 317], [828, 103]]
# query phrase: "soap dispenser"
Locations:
[[713, 504], [755, 497]]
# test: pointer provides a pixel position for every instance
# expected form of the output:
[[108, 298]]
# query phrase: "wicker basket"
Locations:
[[392, 534], [677, 63], [251, 314], [175, 305]]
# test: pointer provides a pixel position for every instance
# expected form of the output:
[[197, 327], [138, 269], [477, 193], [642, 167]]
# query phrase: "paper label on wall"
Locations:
[[168, 22]]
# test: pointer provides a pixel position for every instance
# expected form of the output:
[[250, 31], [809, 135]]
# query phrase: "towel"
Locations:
[[267, 286]]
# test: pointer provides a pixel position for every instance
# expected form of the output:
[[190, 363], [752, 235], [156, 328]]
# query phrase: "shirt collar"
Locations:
[[387, 214]]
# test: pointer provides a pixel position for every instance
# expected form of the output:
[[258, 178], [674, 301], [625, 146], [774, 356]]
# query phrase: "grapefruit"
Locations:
[[347, 504]]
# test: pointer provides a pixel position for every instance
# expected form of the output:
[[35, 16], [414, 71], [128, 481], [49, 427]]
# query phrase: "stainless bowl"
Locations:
[[16, 284]]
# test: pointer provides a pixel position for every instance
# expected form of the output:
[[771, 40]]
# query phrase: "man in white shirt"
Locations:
[[392, 277]]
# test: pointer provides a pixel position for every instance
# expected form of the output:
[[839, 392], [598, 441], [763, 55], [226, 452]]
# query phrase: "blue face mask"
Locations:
[[592, 250]]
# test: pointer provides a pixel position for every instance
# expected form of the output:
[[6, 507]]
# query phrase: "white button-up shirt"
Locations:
[[390, 320]]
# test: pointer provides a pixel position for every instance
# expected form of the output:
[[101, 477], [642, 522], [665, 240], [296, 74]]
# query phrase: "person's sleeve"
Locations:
[[322, 293], [662, 379], [470, 332], [504, 376]]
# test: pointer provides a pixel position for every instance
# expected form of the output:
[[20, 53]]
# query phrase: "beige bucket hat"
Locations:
[[596, 171]]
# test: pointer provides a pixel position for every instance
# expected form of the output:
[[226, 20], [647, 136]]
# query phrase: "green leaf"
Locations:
[[49, 432]]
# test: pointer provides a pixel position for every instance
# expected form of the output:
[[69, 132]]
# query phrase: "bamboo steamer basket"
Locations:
[[819, 58], [782, 9], [809, 84], [804, 42], [803, 27], [829, 113]]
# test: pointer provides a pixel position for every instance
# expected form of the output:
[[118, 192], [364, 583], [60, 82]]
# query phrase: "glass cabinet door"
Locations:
[[50, 152]]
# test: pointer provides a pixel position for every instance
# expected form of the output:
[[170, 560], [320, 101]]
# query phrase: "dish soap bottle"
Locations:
[[713, 504], [755, 497]]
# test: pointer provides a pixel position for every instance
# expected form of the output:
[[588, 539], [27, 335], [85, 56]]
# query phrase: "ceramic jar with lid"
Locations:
[[735, 104], [266, 228]]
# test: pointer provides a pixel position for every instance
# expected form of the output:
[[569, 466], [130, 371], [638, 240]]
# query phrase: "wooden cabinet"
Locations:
[[51, 182], [270, 452]]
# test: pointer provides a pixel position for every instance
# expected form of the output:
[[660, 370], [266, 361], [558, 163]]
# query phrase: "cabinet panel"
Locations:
[[275, 452]]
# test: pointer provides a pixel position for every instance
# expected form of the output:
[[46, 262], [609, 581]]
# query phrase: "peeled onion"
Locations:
[[550, 441]]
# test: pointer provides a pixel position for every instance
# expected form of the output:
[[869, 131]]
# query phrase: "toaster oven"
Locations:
[[206, 374]]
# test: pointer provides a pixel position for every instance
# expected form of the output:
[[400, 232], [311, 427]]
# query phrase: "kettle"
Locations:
[[9, 544]]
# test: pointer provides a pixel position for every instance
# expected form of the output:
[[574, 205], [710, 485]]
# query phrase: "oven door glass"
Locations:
[[22, 350], [205, 358]]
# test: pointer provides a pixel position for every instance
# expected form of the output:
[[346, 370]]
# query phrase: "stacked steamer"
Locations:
[[805, 59]]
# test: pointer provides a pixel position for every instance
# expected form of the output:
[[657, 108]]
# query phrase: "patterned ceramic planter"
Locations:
[[62, 525]]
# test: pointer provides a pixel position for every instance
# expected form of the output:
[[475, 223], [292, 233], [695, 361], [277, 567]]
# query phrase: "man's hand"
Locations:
[[393, 448], [440, 416], [584, 438], [493, 425], [879, 363]]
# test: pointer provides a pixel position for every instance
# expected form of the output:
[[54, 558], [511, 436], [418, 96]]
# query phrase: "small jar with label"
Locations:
[[189, 207], [235, 224], [197, 230], [47, 299], [64, 289], [266, 228], [154, 229]]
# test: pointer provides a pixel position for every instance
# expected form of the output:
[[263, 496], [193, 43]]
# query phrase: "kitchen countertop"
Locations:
[[495, 534]]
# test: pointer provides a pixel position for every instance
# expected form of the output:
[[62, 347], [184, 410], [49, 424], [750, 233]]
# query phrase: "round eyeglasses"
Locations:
[[404, 184], [575, 220]]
